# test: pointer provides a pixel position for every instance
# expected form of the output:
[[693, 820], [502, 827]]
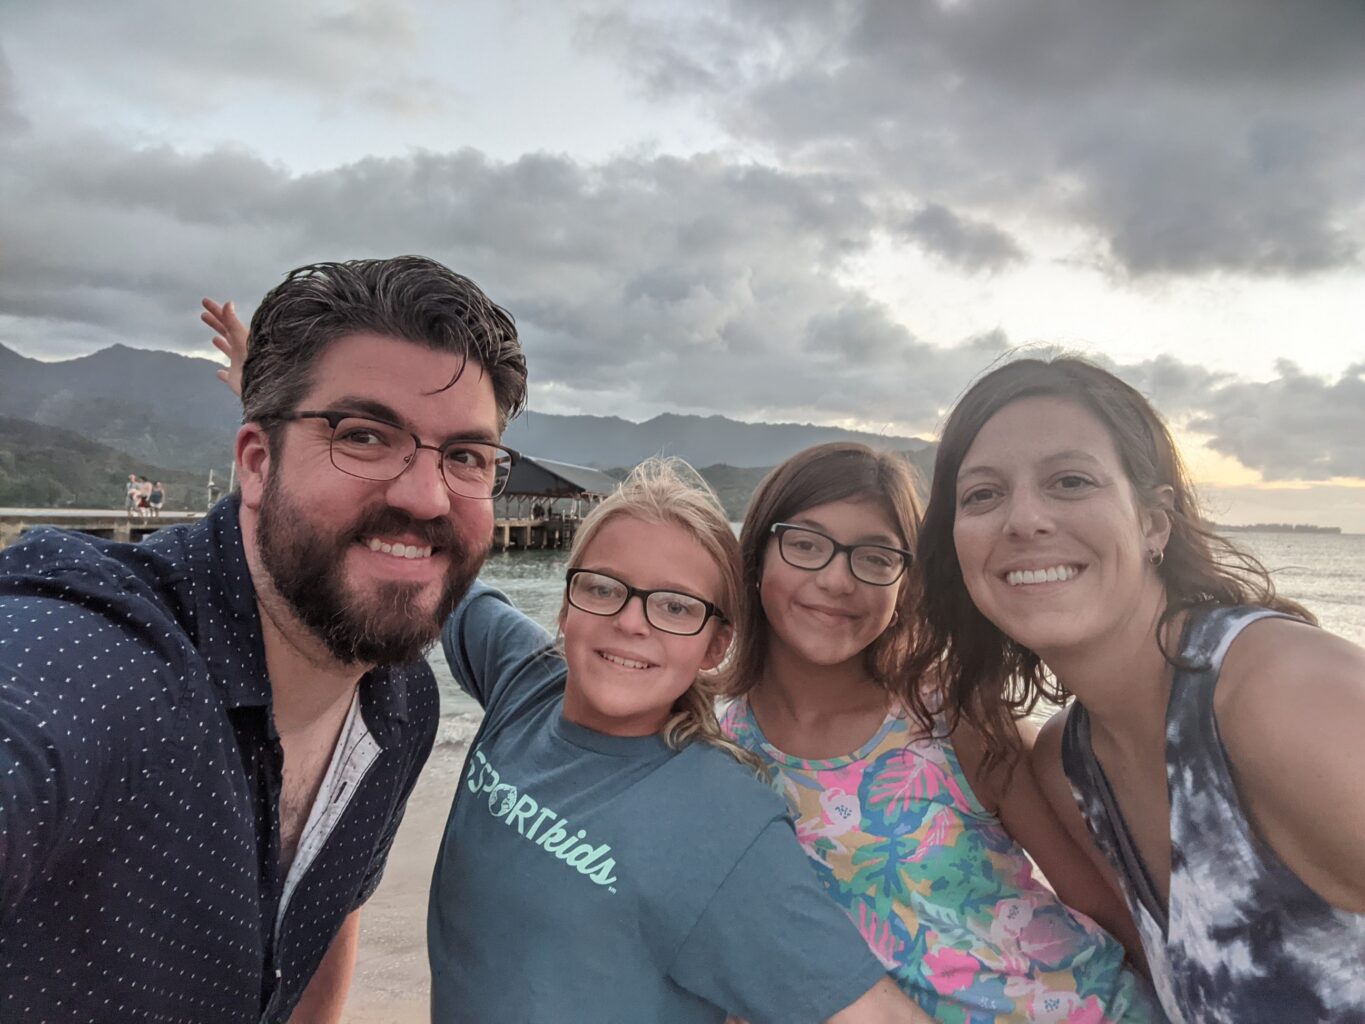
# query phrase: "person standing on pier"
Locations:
[[130, 495], [207, 740], [213, 491]]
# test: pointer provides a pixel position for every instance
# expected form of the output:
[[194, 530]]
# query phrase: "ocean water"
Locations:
[[1324, 572], [532, 579]]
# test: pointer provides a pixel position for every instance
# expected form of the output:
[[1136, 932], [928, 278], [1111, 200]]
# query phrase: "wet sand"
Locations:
[[392, 984]]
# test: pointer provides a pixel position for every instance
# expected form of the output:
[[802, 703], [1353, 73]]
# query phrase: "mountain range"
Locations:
[[171, 415]]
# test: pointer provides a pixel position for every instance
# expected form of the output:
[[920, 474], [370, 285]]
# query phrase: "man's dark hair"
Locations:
[[408, 297]]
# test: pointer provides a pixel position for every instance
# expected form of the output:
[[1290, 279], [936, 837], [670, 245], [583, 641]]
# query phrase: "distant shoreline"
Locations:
[[1275, 528]]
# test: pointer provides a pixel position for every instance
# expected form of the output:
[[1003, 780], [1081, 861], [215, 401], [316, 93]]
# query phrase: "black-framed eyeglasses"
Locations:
[[372, 449], [803, 548], [669, 610]]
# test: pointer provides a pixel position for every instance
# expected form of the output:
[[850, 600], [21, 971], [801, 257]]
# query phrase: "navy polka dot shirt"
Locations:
[[140, 778]]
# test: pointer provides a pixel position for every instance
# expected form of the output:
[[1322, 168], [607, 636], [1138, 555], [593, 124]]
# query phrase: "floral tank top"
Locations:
[[942, 894]]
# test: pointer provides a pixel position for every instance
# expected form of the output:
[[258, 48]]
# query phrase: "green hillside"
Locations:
[[48, 467]]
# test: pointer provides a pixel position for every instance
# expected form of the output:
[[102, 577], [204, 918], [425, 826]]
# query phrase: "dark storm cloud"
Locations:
[[11, 120], [1185, 138], [1297, 427], [640, 282], [650, 51], [1173, 386], [966, 243], [701, 284]]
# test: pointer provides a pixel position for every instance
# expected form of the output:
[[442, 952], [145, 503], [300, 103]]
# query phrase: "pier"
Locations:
[[112, 523], [516, 534], [532, 534], [541, 508], [544, 503]]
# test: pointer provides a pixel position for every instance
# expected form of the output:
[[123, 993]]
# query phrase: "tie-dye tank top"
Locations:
[[942, 894], [1241, 940]]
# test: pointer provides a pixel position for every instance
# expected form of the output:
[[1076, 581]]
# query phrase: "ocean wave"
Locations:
[[457, 729]]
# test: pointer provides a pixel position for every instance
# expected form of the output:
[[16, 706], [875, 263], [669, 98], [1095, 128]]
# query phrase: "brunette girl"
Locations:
[[915, 828]]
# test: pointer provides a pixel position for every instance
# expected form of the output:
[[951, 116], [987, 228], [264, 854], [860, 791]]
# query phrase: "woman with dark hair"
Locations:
[[925, 850], [1212, 762]]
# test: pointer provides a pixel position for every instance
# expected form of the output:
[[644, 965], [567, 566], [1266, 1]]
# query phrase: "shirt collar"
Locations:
[[228, 627]]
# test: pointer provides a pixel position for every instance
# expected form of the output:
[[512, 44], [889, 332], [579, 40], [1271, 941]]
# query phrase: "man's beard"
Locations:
[[308, 571]]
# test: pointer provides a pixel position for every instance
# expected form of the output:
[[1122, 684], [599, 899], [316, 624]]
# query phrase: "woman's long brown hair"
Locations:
[[985, 677]]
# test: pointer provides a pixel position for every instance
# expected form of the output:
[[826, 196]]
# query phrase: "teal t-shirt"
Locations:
[[593, 878]]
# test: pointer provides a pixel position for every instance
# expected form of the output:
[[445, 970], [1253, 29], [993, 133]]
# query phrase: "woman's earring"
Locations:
[[1156, 556]]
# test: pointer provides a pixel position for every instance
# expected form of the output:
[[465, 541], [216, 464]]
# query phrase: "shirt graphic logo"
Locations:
[[522, 812]]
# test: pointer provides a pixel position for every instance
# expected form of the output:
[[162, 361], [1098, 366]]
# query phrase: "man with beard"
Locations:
[[207, 740]]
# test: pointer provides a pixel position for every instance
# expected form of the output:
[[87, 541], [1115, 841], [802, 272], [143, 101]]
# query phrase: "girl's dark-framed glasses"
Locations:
[[803, 548], [669, 610], [373, 449]]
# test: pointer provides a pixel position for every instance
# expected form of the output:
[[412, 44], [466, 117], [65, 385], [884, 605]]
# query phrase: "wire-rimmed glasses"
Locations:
[[372, 449]]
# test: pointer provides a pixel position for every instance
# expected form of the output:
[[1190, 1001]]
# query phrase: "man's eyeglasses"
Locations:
[[804, 548], [669, 610], [374, 450]]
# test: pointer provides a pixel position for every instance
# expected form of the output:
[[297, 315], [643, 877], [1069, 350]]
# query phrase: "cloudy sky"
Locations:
[[811, 210]]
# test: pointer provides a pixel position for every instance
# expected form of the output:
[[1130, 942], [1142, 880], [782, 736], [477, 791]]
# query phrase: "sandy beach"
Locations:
[[391, 984]]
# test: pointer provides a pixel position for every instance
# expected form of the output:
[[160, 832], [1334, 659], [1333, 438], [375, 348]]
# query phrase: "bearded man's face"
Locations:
[[373, 567], [378, 622]]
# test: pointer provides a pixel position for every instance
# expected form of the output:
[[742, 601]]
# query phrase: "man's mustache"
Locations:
[[436, 533]]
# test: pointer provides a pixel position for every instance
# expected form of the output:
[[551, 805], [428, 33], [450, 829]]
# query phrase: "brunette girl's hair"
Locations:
[[986, 677], [670, 492], [837, 471]]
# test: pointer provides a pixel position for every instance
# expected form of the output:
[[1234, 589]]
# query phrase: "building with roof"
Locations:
[[544, 500]]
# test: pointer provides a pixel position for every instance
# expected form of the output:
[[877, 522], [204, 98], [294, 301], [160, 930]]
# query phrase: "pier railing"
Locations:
[[508, 534], [112, 523]]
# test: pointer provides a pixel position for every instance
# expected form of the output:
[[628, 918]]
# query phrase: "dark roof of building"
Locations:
[[545, 478]]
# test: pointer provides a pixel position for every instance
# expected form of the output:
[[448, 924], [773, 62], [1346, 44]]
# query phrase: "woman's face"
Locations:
[[624, 673], [827, 616], [1053, 545]]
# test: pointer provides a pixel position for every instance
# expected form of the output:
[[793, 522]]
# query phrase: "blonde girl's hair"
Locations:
[[669, 492]]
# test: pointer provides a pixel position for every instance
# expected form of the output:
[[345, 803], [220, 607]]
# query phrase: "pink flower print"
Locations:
[[879, 937], [848, 778], [939, 831], [913, 776], [1049, 940], [1010, 918], [808, 831], [840, 812], [1024, 878], [950, 970]]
